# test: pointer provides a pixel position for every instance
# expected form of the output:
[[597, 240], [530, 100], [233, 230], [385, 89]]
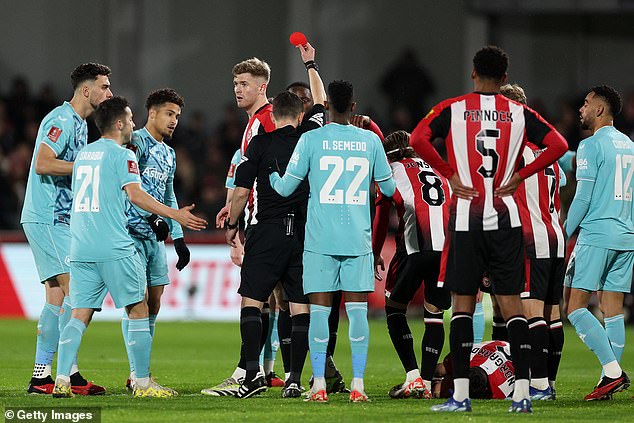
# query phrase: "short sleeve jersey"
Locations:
[[538, 201], [157, 166], [341, 161], [494, 358], [607, 159], [98, 222], [484, 134], [48, 199]]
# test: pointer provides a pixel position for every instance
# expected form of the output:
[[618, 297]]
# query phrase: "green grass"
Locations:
[[192, 356]]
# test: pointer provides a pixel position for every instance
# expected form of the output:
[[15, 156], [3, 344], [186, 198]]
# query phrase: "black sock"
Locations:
[[499, 332], [250, 331], [77, 379], [555, 345], [284, 325], [299, 345], [401, 337], [517, 327], [333, 322], [432, 343], [265, 313], [538, 335], [461, 342]]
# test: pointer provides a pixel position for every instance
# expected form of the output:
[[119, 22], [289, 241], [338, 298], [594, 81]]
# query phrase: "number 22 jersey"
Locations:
[[341, 161]]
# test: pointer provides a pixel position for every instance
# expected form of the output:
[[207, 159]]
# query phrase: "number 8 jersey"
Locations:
[[98, 223], [422, 203], [341, 161], [484, 134]]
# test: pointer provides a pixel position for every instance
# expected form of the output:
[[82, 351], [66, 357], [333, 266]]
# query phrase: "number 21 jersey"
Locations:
[[98, 223]]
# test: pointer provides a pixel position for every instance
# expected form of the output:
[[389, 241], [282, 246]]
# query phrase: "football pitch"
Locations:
[[189, 356]]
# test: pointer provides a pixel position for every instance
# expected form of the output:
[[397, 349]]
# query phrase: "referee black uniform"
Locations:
[[275, 244]]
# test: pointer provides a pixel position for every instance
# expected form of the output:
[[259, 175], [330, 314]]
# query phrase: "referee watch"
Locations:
[[230, 226]]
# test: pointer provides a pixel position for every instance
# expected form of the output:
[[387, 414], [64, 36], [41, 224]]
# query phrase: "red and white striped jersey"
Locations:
[[494, 357], [259, 123], [484, 136], [422, 203], [538, 201]]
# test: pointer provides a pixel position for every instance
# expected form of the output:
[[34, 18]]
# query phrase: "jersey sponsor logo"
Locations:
[[582, 164], [151, 172], [54, 133], [294, 158], [133, 167], [477, 115]]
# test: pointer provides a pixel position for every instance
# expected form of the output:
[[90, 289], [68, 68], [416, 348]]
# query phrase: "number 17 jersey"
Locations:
[[607, 159], [98, 224], [341, 161]]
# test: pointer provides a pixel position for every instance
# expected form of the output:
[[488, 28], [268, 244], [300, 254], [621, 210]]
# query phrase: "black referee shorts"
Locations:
[[544, 279], [271, 256], [499, 254], [406, 274]]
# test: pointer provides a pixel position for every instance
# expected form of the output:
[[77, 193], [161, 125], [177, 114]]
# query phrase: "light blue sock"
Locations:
[[615, 330], [125, 323], [69, 341], [272, 340], [47, 334], [318, 337], [592, 334], [140, 344], [359, 334], [66, 313], [152, 324], [478, 323]]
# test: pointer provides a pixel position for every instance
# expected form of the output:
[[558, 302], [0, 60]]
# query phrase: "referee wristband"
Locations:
[[311, 64], [230, 226]]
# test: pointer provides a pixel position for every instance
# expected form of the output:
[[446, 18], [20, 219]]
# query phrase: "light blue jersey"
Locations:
[[48, 199], [157, 164], [607, 159], [340, 161], [231, 174], [98, 224]]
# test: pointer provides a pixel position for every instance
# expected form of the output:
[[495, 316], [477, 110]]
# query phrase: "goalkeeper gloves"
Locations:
[[159, 227], [183, 253]]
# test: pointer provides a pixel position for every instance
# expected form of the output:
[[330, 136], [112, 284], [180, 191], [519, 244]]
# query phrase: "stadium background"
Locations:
[[558, 49]]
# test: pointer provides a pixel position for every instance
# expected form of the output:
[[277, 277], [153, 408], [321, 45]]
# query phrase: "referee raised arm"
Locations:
[[275, 244]]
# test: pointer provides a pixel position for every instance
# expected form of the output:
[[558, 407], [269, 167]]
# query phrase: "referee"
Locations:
[[275, 243]]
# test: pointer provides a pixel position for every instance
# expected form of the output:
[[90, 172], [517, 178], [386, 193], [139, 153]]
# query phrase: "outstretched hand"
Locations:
[[187, 219]]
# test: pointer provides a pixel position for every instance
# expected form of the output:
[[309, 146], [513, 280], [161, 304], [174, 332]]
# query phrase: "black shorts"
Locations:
[[544, 279], [499, 254], [408, 272], [271, 256]]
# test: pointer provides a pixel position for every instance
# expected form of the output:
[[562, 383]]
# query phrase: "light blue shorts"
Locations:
[[152, 254], [51, 248], [326, 273], [600, 269], [123, 278]]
